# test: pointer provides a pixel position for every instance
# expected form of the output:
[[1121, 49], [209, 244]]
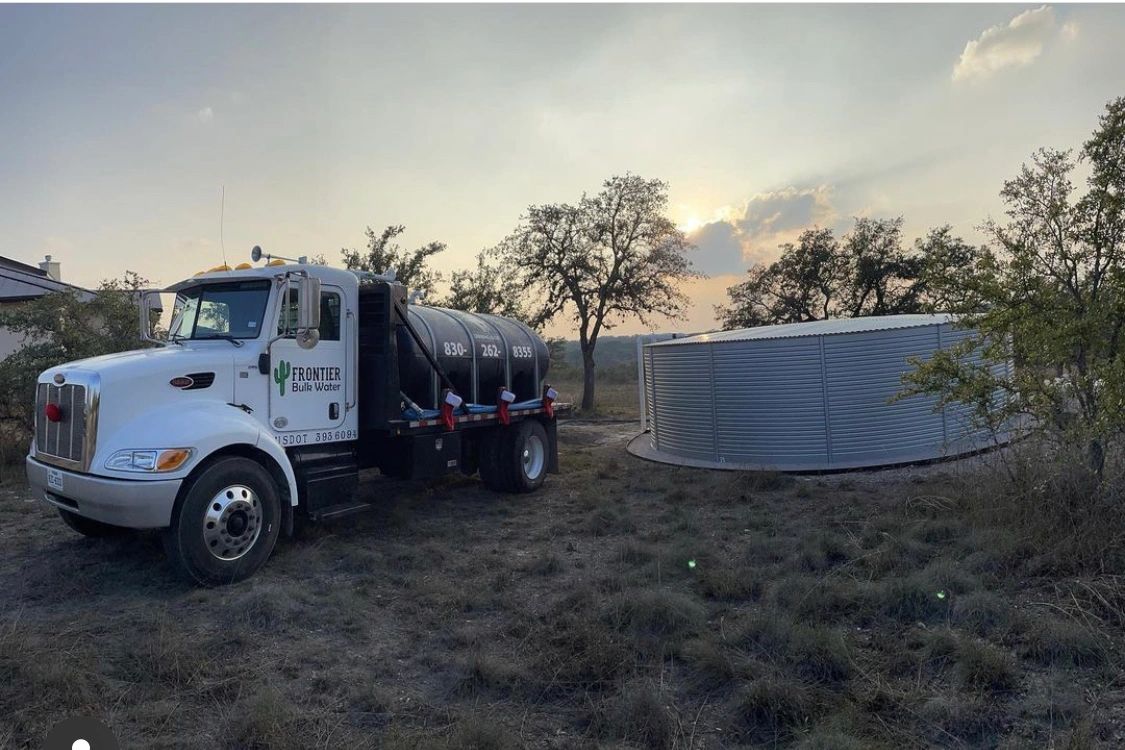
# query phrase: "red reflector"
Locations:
[[181, 382], [53, 412]]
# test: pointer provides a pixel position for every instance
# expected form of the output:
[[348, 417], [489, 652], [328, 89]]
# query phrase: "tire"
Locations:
[[226, 524], [520, 457], [91, 528]]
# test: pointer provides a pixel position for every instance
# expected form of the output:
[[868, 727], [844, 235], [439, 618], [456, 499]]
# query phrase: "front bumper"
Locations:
[[134, 504]]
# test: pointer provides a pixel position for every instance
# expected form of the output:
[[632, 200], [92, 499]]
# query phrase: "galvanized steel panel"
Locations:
[[682, 416], [806, 396], [770, 406]]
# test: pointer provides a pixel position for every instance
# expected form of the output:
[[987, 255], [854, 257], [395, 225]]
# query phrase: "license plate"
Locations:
[[55, 479]]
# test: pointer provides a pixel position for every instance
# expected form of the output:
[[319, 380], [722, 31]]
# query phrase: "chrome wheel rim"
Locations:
[[232, 522], [534, 457]]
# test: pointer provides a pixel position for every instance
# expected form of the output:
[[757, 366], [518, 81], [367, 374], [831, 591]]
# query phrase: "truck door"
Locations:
[[308, 387]]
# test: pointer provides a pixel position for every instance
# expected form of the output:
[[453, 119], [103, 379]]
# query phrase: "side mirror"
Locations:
[[145, 303], [308, 313]]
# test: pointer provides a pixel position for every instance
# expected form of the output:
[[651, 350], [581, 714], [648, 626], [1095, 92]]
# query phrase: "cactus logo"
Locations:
[[281, 373]]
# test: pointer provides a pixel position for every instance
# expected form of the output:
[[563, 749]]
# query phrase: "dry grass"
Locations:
[[625, 605]]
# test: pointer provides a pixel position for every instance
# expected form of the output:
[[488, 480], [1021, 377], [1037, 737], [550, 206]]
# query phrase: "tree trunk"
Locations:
[[1097, 458], [588, 379]]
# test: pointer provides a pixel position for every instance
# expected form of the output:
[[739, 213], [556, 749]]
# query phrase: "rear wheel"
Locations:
[[89, 527], [515, 459], [226, 525]]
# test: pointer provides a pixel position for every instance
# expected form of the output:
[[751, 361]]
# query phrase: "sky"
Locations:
[[122, 126]]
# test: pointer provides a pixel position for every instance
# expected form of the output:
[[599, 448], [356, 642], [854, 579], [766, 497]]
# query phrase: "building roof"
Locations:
[[815, 328], [20, 281]]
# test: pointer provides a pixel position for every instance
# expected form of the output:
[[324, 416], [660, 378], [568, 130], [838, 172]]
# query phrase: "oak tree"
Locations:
[[612, 256]]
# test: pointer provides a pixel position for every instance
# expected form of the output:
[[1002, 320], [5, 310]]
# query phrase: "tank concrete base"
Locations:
[[641, 447]]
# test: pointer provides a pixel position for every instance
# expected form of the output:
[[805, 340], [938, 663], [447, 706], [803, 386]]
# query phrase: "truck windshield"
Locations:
[[228, 310]]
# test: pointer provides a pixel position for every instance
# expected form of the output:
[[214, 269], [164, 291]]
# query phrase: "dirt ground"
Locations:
[[626, 604]]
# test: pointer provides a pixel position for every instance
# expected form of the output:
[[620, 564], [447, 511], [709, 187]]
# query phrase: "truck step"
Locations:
[[331, 512]]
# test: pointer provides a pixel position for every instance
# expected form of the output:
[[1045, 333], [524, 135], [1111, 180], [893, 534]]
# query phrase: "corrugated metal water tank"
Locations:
[[803, 396]]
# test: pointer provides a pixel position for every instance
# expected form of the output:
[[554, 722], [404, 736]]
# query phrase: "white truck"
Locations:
[[273, 387]]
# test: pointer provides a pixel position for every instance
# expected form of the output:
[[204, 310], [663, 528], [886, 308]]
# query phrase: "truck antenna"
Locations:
[[222, 215]]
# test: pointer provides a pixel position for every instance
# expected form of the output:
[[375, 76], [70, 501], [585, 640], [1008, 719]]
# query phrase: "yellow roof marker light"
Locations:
[[276, 262], [243, 266]]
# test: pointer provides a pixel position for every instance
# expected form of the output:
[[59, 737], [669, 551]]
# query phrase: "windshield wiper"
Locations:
[[223, 336]]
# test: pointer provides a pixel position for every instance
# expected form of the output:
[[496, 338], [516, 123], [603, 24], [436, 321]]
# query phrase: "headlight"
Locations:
[[164, 459]]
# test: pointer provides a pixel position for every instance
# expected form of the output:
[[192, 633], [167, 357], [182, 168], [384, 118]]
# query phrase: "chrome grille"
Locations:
[[64, 440]]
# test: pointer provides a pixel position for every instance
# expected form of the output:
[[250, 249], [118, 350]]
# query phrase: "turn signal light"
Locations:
[[53, 412], [170, 460]]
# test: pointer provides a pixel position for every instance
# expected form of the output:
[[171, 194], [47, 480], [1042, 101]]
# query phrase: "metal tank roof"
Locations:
[[815, 328]]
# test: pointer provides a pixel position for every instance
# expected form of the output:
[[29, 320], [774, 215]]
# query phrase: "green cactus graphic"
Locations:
[[281, 374]]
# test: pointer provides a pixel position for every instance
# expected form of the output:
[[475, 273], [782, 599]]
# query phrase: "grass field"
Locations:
[[626, 604], [614, 399]]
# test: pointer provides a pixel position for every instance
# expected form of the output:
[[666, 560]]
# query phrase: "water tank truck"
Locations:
[[273, 387]]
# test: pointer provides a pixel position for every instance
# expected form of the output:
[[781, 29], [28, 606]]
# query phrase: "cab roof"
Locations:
[[327, 274]]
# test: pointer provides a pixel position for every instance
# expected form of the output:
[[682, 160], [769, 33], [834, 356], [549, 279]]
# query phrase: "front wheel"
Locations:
[[226, 524]]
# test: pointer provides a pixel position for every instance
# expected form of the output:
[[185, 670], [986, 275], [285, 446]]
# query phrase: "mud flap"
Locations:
[[552, 427]]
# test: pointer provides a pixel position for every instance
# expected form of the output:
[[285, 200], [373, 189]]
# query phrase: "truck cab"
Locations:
[[273, 386]]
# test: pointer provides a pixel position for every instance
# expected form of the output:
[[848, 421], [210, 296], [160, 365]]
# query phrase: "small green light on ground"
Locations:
[[941, 595], [691, 563]]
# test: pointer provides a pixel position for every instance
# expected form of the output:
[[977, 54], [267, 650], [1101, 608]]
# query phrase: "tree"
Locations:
[[383, 254], [488, 288], [62, 327], [1050, 294], [869, 273], [802, 285], [614, 255], [944, 273], [880, 275]]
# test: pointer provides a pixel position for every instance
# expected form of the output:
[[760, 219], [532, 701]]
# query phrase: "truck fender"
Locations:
[[209, 428], [268, 444]]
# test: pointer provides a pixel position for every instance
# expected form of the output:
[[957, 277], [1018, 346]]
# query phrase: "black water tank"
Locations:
[[480, 353]]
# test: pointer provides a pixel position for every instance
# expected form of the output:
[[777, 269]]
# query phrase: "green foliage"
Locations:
[[63, 327], [612, 256], [486, 289], [1049, 295], [383, 253], [820, 277]]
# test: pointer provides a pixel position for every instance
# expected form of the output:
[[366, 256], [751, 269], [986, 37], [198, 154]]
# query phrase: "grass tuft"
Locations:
[[1055, 642], [772, 709], [636, 714]]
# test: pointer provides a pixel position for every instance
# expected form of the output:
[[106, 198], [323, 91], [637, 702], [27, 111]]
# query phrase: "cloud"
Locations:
[[205, 115], [1013, 45], [1069, 31], [719, 249], [779, 216], [752, 234]]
